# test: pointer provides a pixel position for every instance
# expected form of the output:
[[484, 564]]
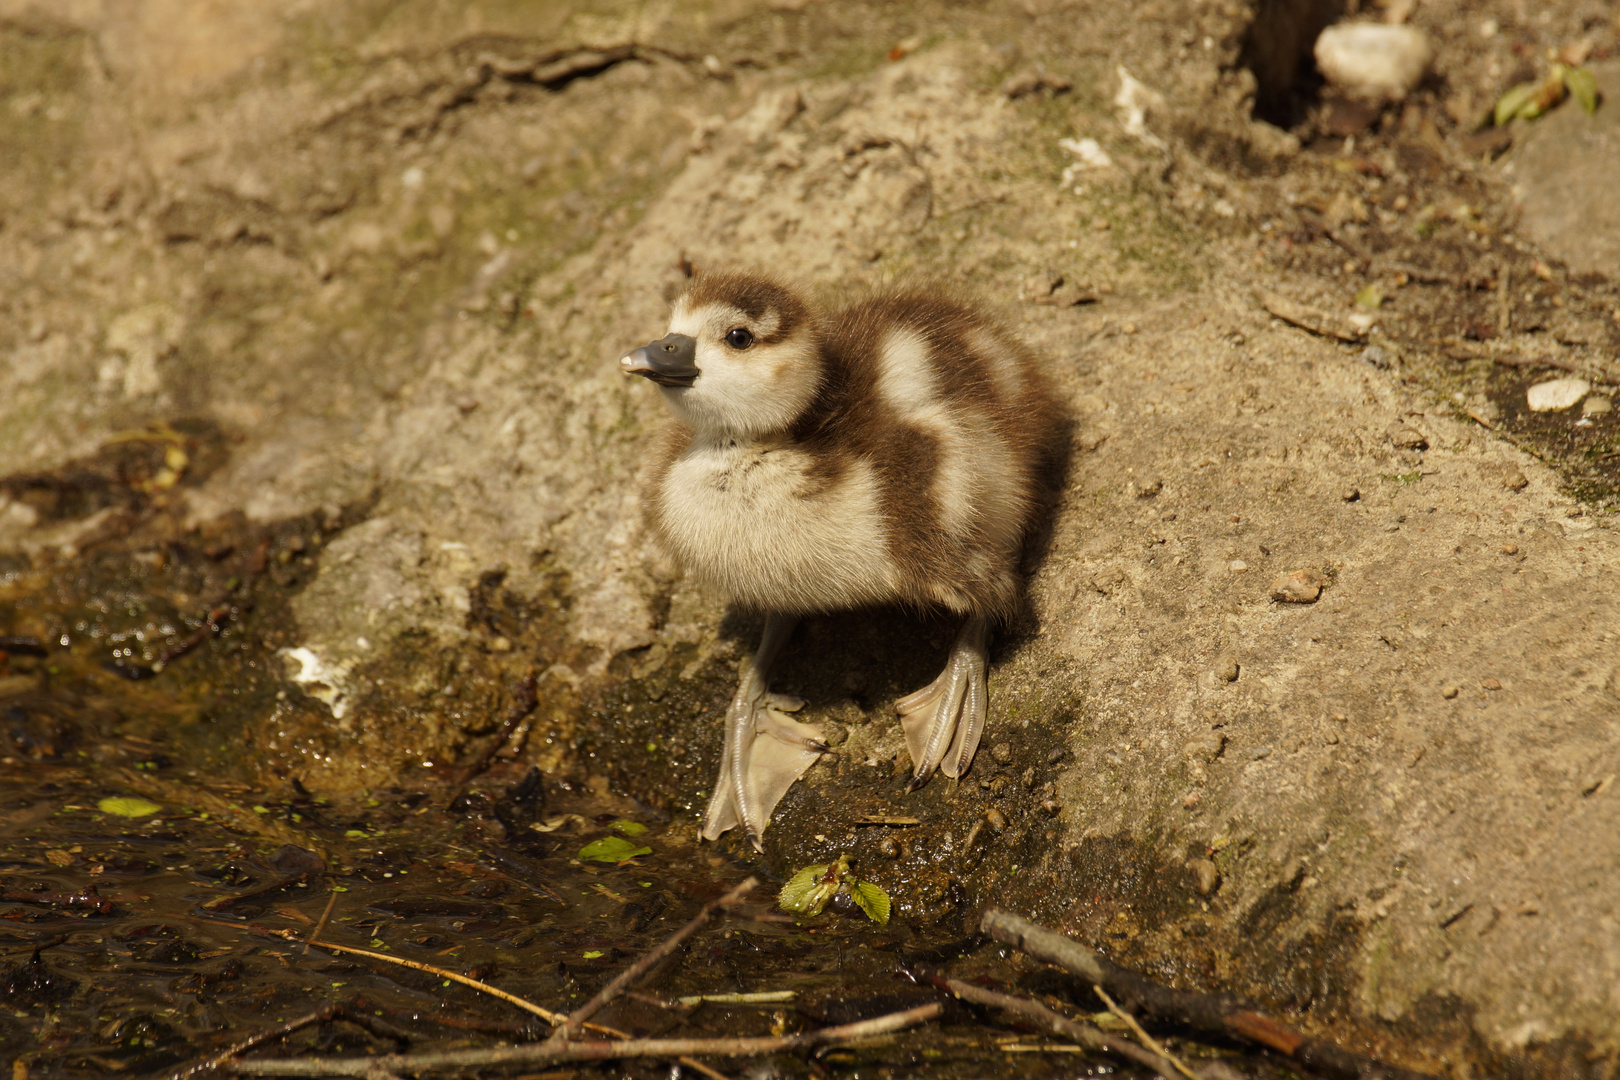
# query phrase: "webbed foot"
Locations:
[[943, 720], [766, 750]]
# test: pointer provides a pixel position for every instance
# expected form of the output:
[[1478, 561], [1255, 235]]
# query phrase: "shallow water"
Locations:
[[136, 945]]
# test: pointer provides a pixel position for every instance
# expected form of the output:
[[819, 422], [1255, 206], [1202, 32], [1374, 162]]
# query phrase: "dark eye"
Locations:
[[740, 338]]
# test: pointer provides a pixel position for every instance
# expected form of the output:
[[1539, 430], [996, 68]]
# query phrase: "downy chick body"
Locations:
[[889, 451]]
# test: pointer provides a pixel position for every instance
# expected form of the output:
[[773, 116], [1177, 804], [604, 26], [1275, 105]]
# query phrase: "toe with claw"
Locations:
[[943, 720]]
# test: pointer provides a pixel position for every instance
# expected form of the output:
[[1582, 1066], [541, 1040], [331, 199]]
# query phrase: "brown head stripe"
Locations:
[[754, 296]]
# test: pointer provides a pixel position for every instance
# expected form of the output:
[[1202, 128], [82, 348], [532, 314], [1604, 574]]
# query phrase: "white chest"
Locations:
[[750, 522]]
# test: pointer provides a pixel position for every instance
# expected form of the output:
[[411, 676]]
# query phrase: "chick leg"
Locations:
[[765, 749], [943, 720]]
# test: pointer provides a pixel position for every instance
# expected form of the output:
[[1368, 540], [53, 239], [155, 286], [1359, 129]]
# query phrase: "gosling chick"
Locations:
[[817, 461]]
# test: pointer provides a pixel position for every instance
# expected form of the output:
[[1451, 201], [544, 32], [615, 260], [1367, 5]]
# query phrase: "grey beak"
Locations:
[[669, 361]]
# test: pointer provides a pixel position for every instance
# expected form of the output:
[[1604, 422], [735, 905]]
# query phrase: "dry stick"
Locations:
[[588, 1051], [1086, 1035], [1219, 1013], [524, 701], [325, 915], [694, 1063], [543, 1013], [1136, 1029], [1535, 362], [640, 967], [1504, 302], [319, 1016]]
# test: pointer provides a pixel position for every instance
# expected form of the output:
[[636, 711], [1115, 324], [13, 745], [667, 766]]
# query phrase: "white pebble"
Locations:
[[1557, 394], [1373, 61]]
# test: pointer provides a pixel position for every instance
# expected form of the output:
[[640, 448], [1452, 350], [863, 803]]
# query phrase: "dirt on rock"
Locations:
[[313, 449]]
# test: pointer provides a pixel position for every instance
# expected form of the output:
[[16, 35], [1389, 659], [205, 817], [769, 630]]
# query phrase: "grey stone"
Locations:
[[1563, 178]]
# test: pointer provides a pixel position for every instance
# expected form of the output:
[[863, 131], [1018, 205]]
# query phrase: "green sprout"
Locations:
[[808, 892]]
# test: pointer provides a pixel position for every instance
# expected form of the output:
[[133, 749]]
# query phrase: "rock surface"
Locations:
[[1563, 178], [394, 258]]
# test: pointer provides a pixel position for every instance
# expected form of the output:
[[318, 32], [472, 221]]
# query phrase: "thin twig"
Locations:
[[694, 1063], [761, 997], [1535, 362], [640, 967], [589, 1051], [211, 623], [325, 915], [1504, 302], [319, 1016], [1219, 1013], [1087, 1035], [1142, 1036], [543, 1013], [524, 701]]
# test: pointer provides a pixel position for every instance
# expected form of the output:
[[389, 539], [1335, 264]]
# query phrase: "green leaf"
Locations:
[[127, 806], [1511, 103], [1582, 86], [612, 849], [1370, 297], [872, 900], [354, 834], [593, 954], [628, 828], [803, 891]]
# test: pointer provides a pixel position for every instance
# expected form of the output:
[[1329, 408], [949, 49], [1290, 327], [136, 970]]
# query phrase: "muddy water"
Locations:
[[134, 945], [140, 663]]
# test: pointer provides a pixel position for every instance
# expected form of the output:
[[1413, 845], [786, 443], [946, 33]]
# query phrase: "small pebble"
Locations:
[[1145, 489], [1206, 878], [1261, 752], [1051, 807], [1002, 753], [1596, 405], [1205, 748], [1373, 61], [1408, 438], [1238, 566], [1490, 684], [1556, 394], [501, 644], [1450, 692], [1513, 478], [1510, 549], [1227, 670], [1350, 494], [995, 819], [1057, 755], [890, 848], [1375, 355], [1299, 587]]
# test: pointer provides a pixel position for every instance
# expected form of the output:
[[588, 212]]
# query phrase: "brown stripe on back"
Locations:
[[850, 417]]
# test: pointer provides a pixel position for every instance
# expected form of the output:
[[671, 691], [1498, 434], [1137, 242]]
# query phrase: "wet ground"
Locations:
[[134, 946]]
